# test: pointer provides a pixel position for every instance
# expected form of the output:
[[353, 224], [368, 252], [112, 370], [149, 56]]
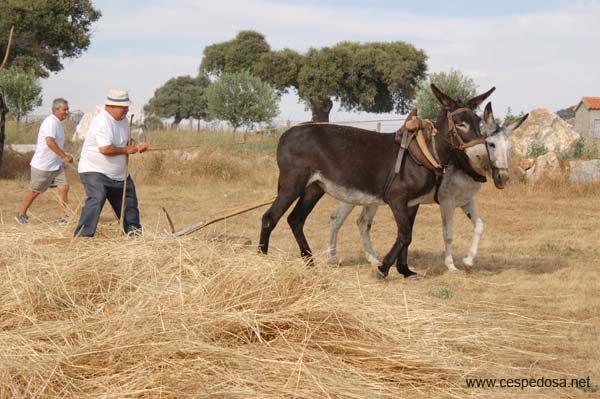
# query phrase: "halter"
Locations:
[[455, 140]]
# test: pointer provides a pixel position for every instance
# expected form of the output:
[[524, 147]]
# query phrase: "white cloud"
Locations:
[[85, 81], [543, 59]]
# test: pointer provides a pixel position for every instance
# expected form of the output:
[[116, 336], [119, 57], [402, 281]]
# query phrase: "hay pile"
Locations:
[[156, 317]]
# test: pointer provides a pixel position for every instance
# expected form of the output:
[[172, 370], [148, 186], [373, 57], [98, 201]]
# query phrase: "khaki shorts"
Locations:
[[42, 179]]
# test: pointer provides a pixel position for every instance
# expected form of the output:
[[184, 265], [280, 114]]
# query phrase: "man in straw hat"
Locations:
[[102, 166]]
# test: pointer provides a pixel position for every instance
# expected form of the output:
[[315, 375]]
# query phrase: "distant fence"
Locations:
[[391, 126]]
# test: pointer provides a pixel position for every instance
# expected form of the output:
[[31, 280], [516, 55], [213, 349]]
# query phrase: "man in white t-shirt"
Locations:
[[46, 165], [102, 166]]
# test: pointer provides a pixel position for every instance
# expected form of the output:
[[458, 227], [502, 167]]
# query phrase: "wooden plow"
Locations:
[[187, 230], [215, 218]]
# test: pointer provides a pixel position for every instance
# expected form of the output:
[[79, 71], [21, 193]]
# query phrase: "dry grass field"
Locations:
[[159, 317]]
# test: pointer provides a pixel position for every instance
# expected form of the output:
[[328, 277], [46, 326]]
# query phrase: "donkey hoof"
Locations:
[[335, 261], [467, 261], [380, 274], [405, 271]]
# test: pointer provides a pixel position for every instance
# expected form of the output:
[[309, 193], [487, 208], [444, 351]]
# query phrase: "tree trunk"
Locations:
[[176, 121], [320, 109], [3, 112]]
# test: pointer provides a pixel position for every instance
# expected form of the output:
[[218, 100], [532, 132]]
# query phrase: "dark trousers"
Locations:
[[99, 188]]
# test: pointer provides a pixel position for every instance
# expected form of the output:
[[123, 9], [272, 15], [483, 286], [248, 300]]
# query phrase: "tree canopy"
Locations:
[[180, 98], [372, 77], [235, 55], [46, 32], [242, 100], [453, 83], [21, 91]]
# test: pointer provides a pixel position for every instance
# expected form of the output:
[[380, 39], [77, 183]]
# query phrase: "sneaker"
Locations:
[[63, 221], [135, 233], [22, 219]]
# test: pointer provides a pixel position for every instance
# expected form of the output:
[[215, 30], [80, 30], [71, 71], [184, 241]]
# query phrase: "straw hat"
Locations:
[[118, 98]]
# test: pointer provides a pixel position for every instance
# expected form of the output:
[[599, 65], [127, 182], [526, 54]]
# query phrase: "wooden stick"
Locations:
[[10, 36], [122, 217], [222, 216]]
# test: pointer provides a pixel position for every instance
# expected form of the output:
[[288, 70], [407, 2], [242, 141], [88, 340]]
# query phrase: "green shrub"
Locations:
[[537, 150]]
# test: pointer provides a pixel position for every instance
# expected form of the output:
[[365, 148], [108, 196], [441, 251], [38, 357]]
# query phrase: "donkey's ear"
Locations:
[[488, 120], [476, 101], [515, 124], [443, 98]]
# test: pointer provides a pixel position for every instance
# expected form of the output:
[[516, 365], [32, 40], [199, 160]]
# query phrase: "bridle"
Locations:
[[455, 140]]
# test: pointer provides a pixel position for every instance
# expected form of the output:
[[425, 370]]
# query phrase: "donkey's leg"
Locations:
[[297, 217], [401, 214], [335, 222], [447, 211], [471, 211], [286, 195], [364, 223], [402, 261]]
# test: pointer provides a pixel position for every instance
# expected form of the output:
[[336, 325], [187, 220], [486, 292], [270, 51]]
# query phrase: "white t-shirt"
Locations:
[[44, 158], [104, 130]]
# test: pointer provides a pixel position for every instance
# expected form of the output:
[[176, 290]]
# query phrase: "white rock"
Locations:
[[544, 128], [584, 171], [546, 167]]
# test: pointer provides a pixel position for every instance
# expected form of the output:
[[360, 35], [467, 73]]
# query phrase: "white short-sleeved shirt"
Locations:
[[104, 130], [44, 158]]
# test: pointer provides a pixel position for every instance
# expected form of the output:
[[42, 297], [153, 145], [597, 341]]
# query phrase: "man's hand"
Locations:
[[142, 147], [67, 158], [131, 149]]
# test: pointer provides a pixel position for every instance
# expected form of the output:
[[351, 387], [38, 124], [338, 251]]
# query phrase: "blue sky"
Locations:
[[537, 53]]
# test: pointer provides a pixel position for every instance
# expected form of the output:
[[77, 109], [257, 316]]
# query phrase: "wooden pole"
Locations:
[[216, 218], [10, 36], [122, 217]]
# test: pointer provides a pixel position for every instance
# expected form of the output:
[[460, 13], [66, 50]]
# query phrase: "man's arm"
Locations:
[[51, 143], [111, 150]]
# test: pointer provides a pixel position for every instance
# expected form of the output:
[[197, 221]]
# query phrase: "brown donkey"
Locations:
[[357, 166]]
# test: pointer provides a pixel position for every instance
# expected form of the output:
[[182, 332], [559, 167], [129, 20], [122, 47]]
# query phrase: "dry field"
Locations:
[[164, 318]]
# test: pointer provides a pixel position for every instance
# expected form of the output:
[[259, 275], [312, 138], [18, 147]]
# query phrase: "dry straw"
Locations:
[[157, 317]]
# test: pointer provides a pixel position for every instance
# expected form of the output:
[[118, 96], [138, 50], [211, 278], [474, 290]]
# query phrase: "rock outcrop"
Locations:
[[544, 129]]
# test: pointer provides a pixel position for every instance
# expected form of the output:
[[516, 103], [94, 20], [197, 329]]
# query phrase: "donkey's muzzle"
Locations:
[[500, 177]]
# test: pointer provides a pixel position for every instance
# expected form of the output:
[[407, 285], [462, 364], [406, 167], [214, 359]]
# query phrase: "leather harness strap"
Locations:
[[398, 164], [433, 162], [406, 139], [414, 130]]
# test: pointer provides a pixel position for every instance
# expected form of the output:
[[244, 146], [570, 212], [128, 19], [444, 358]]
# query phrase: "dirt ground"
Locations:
[[538, 263]]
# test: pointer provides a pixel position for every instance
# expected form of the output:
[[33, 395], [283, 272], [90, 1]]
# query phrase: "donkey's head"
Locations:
[[499, 144], [458, 122]]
